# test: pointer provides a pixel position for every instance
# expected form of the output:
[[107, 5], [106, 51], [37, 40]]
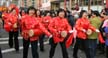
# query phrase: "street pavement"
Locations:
[[10, 52]]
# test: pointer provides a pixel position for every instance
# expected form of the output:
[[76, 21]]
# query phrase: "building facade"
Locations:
[[55, 4]]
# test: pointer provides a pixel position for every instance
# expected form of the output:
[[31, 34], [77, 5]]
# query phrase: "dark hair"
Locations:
[[46, 12], [12, 10], [72, 8], [39, 11], [21, 11], [61, 10], [96, 13], [31, 8], [81, 13]]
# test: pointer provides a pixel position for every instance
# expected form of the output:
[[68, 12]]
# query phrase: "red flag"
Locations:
[[69, 41], [101, 38]]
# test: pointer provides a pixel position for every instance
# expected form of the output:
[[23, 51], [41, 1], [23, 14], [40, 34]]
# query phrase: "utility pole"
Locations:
[[89, 4], [103, 3], [70, 4], [65, 4], [40, 3], [106, 3]]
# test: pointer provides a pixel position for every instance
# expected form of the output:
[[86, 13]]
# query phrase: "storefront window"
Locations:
[[86, 2]]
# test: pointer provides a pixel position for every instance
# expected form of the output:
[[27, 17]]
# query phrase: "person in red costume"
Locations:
[[82, 26], [47, 19], [31, 30], [11, 26], [41, 38], [60, 29]]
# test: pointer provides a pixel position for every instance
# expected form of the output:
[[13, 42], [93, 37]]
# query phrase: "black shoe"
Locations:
[[17, 51], [102, 52], [75, 57], [42, 50], [11, 46]]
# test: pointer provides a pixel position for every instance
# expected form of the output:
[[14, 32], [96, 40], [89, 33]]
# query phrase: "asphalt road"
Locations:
[[10, 53]]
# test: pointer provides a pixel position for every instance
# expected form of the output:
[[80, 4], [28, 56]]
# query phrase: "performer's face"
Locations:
[[48, 14], [13, 12], [38, 13], [62, 14], [23, 12], [31, 12], [85, 15]]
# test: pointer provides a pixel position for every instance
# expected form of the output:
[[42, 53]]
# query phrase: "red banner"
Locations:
[[106, 3]]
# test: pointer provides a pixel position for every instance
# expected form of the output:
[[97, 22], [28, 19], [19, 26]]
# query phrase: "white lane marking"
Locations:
[[8, 38], [12, 49], [4, 42]]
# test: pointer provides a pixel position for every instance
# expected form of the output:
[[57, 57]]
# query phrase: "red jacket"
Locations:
[[29, 23], [56, 26], [46, 20], [9, 21], [83, 23]]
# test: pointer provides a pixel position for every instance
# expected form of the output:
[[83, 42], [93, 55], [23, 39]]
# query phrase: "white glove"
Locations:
[[71, 31], [9, 23], [83, 30], [50, 36], [97, 31]]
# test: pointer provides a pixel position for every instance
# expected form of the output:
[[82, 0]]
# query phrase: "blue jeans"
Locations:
[[91, 45]]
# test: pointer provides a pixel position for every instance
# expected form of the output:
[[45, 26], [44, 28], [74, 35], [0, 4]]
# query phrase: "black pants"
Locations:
[[91, 45], [80, 44], [15, 36], [101, 47], [53, 46], [34, 48], [0, 53], [106, 51], [41, 41]]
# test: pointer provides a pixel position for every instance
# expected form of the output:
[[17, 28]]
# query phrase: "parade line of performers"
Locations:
[[34, 27]]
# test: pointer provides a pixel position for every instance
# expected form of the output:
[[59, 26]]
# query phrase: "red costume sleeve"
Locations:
[[51, 26], [78, 25], [44, 30]]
